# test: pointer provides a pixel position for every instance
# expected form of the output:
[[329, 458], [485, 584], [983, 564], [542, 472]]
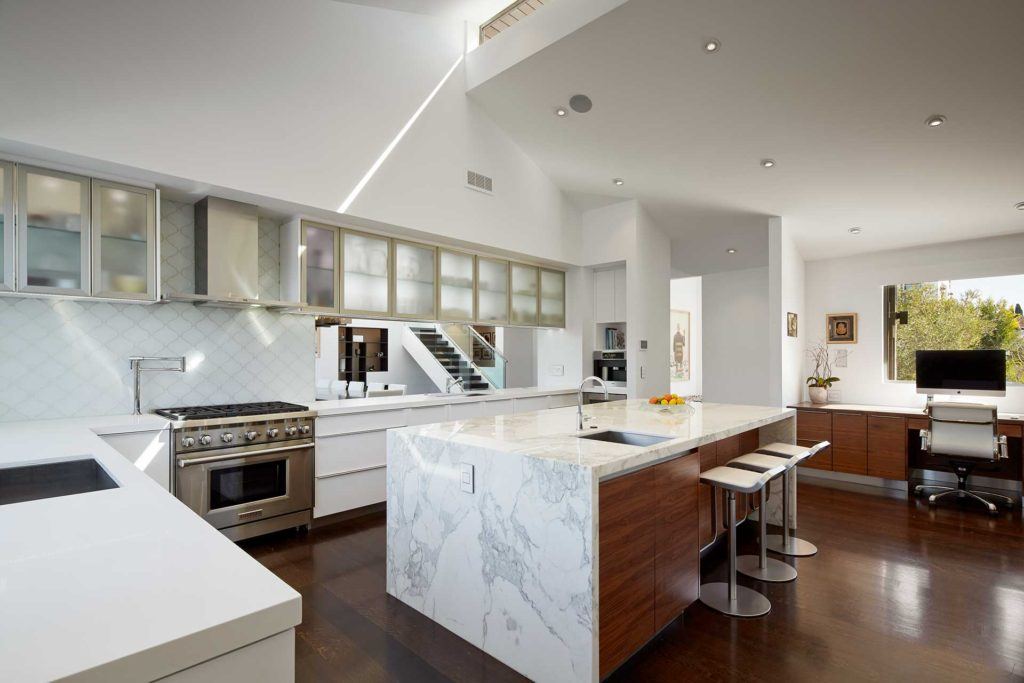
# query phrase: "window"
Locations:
[[509, 17], [980, 313]]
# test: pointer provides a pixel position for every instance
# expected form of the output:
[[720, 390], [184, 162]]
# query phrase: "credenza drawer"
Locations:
[[814, 425]]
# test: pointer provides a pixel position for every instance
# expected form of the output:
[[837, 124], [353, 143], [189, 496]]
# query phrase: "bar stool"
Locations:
[[787, 543], [760, 566], [730, 598]]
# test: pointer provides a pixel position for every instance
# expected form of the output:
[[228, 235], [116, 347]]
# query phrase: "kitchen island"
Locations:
[[558, 555]]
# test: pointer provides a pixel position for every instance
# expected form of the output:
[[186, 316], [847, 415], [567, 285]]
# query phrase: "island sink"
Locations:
[[52, 479], [627, 438]]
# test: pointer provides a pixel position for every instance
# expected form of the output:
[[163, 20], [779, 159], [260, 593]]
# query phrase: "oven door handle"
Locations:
[[186, 462]]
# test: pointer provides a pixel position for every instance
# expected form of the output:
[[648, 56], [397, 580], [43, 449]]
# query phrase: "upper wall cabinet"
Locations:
[[365, 281], [456, 284], [53, 232], [415, 279], [492, 291], [525, 294], [552, 298], [319, 258], [610, 295], [124, 239], [6, 226]]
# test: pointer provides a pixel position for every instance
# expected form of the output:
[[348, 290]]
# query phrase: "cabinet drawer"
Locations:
[[427, 415], [490, 408], [850, 443], [350, 491], [1009, 430], [917, 423], [562, 400], [887, 447], [813, 425], [348, 452], [464, 411], [359, 422], [525, 405]]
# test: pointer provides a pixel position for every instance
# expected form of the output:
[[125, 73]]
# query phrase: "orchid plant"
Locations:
[[823, 360]]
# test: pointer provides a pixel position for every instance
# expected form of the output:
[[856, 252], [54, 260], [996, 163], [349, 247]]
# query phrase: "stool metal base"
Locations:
[[797, 547], [774, 571], [748, 603]]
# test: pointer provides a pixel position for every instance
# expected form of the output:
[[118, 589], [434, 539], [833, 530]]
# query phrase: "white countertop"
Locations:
[[123, 584], [552, 434], [362, 405]]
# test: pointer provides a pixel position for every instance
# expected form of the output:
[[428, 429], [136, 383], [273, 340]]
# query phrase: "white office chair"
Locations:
[[339, 388], [375, 386], [323, 390], [356, 389], [967, 434]]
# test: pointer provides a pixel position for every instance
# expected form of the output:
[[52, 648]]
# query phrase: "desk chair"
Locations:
[[967, 434]]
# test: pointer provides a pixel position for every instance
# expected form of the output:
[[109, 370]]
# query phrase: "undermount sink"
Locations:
[[52, 479], [627, 438]]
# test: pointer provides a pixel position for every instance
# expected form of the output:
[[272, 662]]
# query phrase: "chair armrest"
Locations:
[[926, 440], [1001, 448]]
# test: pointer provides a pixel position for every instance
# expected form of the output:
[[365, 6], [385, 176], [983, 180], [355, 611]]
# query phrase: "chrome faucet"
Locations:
[[135, 362], [451, 382], [579, 399]]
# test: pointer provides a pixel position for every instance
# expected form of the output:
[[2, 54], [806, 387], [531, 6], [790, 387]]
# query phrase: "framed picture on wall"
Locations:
[[791, 323], [841, 328], [680, 345]]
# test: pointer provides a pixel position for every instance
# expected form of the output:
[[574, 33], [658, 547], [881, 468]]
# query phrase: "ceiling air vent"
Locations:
[[479, 182]]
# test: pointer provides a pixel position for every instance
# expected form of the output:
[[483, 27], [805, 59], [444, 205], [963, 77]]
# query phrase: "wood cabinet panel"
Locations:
[[708, 456], [626, 565], [815, 426], [887, 447], [677, 556], [1010, 430], [917, 423], [850, 443]]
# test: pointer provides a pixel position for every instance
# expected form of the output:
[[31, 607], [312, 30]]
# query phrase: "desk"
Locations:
[[884, 441]]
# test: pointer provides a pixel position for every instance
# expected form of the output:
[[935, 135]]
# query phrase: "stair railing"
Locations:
[[490, 363]]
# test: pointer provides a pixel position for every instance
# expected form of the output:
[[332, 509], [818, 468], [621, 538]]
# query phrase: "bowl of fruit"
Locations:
[[669, 403]]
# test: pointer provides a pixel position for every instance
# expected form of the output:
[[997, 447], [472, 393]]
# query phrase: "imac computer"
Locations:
[[962, 373]]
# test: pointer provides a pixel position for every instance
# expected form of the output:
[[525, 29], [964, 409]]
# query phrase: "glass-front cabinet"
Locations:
[[525, 282], [456, 284], [6, 226], [552, 298], [319, 264], [123, 241], [365, 278], [415, 270], [53, 232], [492, 291]]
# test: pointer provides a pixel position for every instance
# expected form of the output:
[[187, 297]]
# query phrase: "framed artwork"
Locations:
[[791, 323], [680, 346], [841, 328]]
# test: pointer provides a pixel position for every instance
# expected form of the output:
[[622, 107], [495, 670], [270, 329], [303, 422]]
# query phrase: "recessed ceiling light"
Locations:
[[618, 181], [935, 121], [730, 251], [768, 163], [712, 45], [581, 103], [1019, 206], [854, 231], [561, 111]]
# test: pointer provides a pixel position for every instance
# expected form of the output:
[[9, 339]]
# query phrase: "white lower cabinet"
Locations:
[[525, 405], [148, 451], [464, 411], [562, 400], [490, 408], [271, 659], [350, 491]]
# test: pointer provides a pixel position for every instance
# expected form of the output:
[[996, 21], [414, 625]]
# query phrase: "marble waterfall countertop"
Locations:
[[552, 435], [125, 584]]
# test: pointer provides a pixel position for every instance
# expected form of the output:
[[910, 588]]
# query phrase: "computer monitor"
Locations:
[[967, 373]]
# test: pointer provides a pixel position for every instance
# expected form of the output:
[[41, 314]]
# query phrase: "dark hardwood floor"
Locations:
[[897, 592]]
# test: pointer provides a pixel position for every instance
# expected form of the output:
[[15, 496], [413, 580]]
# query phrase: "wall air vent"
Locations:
[[479, 182]]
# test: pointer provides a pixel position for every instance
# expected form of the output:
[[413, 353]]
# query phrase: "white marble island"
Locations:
[[548, 558]]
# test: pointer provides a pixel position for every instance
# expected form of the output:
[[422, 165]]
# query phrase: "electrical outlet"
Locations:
[[834, 396], [468, 478], [556, 370], [643, 344]]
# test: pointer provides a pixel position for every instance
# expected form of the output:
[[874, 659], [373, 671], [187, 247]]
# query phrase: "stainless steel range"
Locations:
[[245, 468]]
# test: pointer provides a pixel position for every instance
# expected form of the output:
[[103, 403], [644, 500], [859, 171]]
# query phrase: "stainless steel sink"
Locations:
[[627, 438], [52, 479]]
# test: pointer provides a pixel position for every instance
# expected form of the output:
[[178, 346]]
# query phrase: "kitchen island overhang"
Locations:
[[493, 523]]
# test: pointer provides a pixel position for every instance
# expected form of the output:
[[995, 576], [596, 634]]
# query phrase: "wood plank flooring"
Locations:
[[897, 592]]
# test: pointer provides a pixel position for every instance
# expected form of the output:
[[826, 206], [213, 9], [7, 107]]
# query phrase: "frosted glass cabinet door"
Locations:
[[525, 282], [415, 275], [53, 232], [491, 291], [320, 266], [6, 226], [552, 298], [365, 285], [123, 241], [457, 286]]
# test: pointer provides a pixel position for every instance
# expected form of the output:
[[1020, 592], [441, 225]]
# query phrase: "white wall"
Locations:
[[686, 296], [735, 339], [787, 276], [518, 345], [855, 284], [294, 101]]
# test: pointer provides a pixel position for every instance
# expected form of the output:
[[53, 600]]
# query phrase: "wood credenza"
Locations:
[[884, 442]]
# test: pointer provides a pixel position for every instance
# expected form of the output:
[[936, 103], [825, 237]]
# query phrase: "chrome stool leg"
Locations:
[[731, 598], [787, 544], [761, 566]]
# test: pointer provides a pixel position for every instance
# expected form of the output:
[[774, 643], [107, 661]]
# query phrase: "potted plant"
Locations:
[[819, 383]]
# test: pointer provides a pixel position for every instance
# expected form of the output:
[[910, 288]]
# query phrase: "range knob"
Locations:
[[205, 440], [227, 437], [291, 431], [251, 436], [188, 442], [272, 433], [305, 429]]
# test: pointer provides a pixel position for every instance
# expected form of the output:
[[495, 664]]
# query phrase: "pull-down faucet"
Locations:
[[579, 399], [135, 362]]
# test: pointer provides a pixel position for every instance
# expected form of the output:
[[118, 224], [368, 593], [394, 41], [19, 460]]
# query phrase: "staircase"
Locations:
[[450, 358]]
